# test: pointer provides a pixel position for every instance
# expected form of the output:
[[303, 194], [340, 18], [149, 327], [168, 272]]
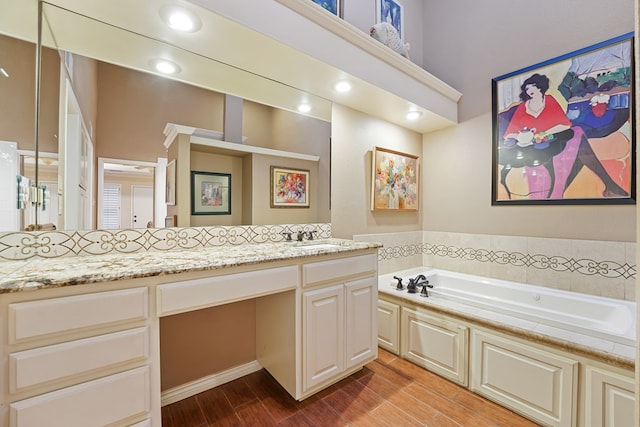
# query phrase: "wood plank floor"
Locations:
[[388, 392]]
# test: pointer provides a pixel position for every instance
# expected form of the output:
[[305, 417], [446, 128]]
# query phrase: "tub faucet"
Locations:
[[425, 292]]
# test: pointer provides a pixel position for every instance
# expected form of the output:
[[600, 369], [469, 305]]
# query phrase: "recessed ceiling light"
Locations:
[[343, 86], [180, 19], [165, 66], [413, 115], [304, 108]]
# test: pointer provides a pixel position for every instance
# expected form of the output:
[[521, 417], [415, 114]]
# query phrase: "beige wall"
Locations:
[[457, 193], [208, 162], [196, 344], [477, 42], [263, 213], [17, 99], [353, 136], [135, 108]]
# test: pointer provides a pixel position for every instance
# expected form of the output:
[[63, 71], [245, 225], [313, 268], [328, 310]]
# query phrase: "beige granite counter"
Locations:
[[38, 273], [573, 342]]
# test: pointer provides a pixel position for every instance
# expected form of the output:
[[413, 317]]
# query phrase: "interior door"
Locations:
[[141, 206]]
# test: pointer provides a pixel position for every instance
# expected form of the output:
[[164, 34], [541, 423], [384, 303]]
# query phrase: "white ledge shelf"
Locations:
[[213, 139]]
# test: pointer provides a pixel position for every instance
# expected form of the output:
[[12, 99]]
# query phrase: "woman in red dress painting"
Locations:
[[540, 134]]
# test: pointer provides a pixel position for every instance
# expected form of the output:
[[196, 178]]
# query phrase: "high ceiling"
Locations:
[[223, 55]]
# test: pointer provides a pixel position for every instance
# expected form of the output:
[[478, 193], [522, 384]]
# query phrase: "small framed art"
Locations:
[[289, 187], [210, 193]]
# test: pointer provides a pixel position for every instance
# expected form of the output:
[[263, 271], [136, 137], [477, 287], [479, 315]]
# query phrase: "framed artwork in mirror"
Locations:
[[563, 129], [394, 180], [210, 193], [289, 187], [170, 191]]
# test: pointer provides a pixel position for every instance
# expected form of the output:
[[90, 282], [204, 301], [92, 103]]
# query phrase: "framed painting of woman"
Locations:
[[563, 129]]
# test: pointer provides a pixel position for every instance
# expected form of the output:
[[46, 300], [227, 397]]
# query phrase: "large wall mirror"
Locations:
[[103, 112]]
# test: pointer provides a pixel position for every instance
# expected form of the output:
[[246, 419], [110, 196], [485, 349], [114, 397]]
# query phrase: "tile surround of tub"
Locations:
[[399, 251], [53, 244], [594, 267]]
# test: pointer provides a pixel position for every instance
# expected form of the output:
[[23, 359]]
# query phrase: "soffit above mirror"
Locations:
[[267, 64]]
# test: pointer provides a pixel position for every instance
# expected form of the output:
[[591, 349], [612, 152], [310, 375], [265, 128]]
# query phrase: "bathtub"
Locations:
[[601, 317]]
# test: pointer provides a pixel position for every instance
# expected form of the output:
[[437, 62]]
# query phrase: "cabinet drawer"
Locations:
[[532, 381], [71, 359], [200, 293], [325, 271], [100, 402], [33, 319]]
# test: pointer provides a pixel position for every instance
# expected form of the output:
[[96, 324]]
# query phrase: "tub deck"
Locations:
[[609, 322]]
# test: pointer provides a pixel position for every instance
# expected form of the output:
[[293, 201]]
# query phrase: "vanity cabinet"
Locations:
[[68, 355], [339, 322], [434, 343], [90, 355]]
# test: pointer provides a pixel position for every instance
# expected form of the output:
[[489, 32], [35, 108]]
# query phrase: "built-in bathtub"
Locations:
[[601, 317]]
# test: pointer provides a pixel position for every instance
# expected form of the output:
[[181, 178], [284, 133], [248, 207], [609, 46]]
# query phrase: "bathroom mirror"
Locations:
[[82, 51]]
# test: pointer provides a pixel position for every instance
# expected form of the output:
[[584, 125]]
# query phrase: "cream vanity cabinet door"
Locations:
[[339, 322], [609, 398], [323, 335], [530, 380], [436, 344], [361, 321], [389, 326]]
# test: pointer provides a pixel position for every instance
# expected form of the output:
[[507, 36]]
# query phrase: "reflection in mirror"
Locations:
[[101, 100]]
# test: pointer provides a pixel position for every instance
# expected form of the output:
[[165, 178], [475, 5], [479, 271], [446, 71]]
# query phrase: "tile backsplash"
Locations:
[[52, 244], [594, 267]]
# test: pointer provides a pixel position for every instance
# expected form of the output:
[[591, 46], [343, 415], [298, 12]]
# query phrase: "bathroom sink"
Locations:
[[316, 246]]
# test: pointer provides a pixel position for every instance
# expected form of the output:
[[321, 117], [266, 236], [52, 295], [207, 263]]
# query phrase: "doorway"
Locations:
[[136, 182]]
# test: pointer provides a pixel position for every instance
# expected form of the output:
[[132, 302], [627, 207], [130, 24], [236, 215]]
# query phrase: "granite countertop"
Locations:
[[40, 273], [573, 342]]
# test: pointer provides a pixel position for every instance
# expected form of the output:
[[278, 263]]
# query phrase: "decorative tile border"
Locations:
[[52, 244], [587, 267]]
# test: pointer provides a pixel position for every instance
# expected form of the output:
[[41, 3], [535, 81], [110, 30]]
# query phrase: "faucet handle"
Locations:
[[310, 234], [287, 236]]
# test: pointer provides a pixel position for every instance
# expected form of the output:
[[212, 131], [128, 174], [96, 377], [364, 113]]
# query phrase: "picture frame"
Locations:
[[394, 180], [391, 11], [333, 6], [289, 187], [210, 193], [586, 152], [170, 189], [171, 221]]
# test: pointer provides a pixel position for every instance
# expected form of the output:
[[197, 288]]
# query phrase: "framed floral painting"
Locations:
[[289, 188], [394, 181], [563, 129]]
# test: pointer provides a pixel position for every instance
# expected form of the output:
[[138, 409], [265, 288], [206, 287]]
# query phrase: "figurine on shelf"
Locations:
[[387, 34]]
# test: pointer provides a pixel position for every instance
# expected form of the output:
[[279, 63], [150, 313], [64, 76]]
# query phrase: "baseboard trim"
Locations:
[[198, 386]]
